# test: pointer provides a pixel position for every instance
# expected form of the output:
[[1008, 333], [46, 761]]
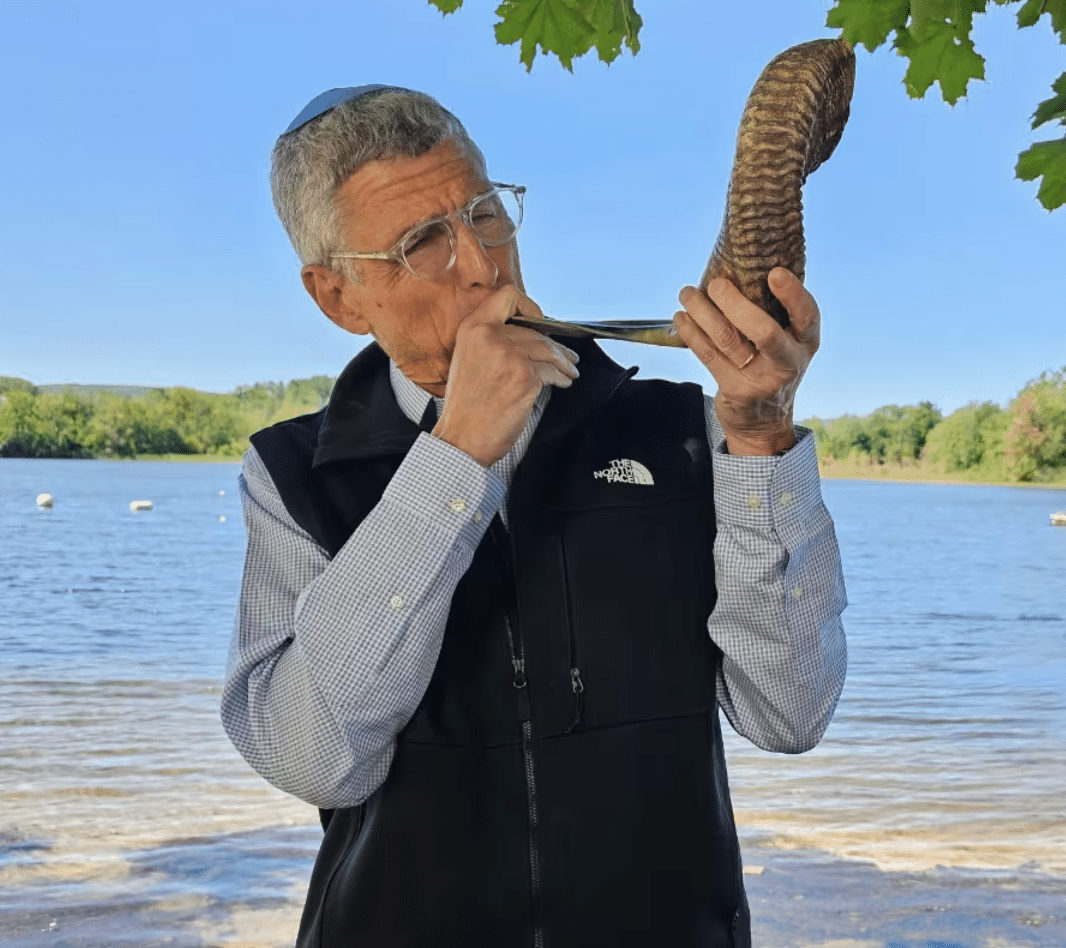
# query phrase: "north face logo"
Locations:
[[625, 471]]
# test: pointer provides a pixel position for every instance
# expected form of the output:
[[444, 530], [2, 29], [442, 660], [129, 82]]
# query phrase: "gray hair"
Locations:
[[309, 164]]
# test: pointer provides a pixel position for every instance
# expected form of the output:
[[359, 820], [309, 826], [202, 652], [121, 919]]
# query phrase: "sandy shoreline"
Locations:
[[250, 897], [829, 474], [906, 480]]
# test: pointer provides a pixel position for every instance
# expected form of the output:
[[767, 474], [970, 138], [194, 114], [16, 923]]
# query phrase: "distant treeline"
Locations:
[[97, 421], [1026, 442]]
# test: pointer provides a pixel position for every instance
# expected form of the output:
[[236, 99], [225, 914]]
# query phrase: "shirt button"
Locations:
[[797, 592], [754, 501], [457, 504], [477, 516], [785, 499], [396, 602]]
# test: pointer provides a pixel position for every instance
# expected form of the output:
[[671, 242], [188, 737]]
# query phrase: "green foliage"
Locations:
[[935, 36], [868, 21], [556, 25], [205, 423], [1036, 434], [8, 383], [1053, 108], [970, 437], [52, 426], [96, 422], [1048, 159], [839, 438], [945, 54], [566, 28], [126, 427], [892, 433], [21, 425], [1025, 443]]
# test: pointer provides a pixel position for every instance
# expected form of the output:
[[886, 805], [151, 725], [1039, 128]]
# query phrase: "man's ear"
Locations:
[[336, 297]]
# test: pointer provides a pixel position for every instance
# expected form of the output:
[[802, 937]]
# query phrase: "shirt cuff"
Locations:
[[439, 482], [764, 493]]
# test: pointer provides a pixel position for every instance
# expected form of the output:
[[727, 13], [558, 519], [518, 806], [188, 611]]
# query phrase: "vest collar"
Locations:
[[362, 419]]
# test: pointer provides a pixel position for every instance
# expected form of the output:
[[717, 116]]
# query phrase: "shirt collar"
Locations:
[[372, 412]]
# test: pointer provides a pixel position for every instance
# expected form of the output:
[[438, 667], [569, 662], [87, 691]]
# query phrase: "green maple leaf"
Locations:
[[927, 12], [1034, 9], [1047, 159], [614, 22], [631, 23], [1054, 108], [1029, 13], [556, 25], [868, 21], [447, 6], [941, 55]]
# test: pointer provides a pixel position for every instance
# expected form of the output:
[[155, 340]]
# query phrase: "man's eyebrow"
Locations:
[[483, 189], [407, 228]]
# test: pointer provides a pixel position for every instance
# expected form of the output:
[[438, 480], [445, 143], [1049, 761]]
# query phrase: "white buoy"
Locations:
[[44, 500], [221, 493], [140, 505], [222, 519]]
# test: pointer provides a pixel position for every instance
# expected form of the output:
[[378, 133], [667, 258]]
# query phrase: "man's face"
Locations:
[[415, 321]]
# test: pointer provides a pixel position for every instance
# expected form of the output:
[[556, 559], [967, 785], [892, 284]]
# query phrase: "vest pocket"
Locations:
[[636, 588]]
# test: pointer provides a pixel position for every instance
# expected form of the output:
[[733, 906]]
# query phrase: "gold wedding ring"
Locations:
[[747, 362]]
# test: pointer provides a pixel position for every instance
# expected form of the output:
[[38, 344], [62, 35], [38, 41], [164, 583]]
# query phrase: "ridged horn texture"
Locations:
[[792, 122]]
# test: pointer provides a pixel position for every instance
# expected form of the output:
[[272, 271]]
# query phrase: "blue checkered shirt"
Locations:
[[330, 658]]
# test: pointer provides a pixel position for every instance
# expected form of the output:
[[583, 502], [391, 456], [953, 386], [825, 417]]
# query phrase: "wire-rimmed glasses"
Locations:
[[428, 249]]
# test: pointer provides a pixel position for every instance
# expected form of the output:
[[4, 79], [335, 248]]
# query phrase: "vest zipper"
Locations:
[[578, 688], [519, 681], [576, 684]]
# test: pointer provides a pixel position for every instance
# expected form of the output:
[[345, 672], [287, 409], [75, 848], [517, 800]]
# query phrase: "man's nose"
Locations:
[[473, 264]]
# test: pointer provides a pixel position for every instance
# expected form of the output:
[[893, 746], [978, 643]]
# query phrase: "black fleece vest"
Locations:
[[562, 783]]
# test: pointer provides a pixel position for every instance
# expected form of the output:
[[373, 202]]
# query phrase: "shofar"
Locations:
[[792, 122]]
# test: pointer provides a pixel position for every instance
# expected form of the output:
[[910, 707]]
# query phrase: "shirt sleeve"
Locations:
[[780, 595], [330, 658]]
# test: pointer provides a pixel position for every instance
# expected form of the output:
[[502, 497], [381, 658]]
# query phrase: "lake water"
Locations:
[[127, 818]]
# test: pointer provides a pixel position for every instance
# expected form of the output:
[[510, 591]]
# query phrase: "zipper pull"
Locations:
[[578, 687], [519, 680]]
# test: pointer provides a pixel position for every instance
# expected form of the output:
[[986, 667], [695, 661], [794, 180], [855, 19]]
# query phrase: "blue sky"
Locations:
[[138, 243]]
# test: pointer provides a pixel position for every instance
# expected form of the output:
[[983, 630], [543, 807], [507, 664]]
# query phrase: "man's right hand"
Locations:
[[496, 373]]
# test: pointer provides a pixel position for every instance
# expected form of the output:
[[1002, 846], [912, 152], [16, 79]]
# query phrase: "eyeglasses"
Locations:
[[428, 249]]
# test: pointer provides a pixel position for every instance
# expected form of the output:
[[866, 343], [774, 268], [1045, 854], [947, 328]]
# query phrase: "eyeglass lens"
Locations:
[[494, 219]]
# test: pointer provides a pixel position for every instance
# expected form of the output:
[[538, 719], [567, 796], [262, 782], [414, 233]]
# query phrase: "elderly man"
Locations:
[[496, 591]]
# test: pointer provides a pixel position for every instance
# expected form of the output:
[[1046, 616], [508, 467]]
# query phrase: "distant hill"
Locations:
[[9, 383], [125, 391], [321, 384]]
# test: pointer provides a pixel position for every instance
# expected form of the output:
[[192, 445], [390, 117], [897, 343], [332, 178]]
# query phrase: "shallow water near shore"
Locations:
[[127, 818]]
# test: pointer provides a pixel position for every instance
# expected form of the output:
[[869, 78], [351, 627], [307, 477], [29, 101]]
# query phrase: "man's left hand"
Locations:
[[757, 364]]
